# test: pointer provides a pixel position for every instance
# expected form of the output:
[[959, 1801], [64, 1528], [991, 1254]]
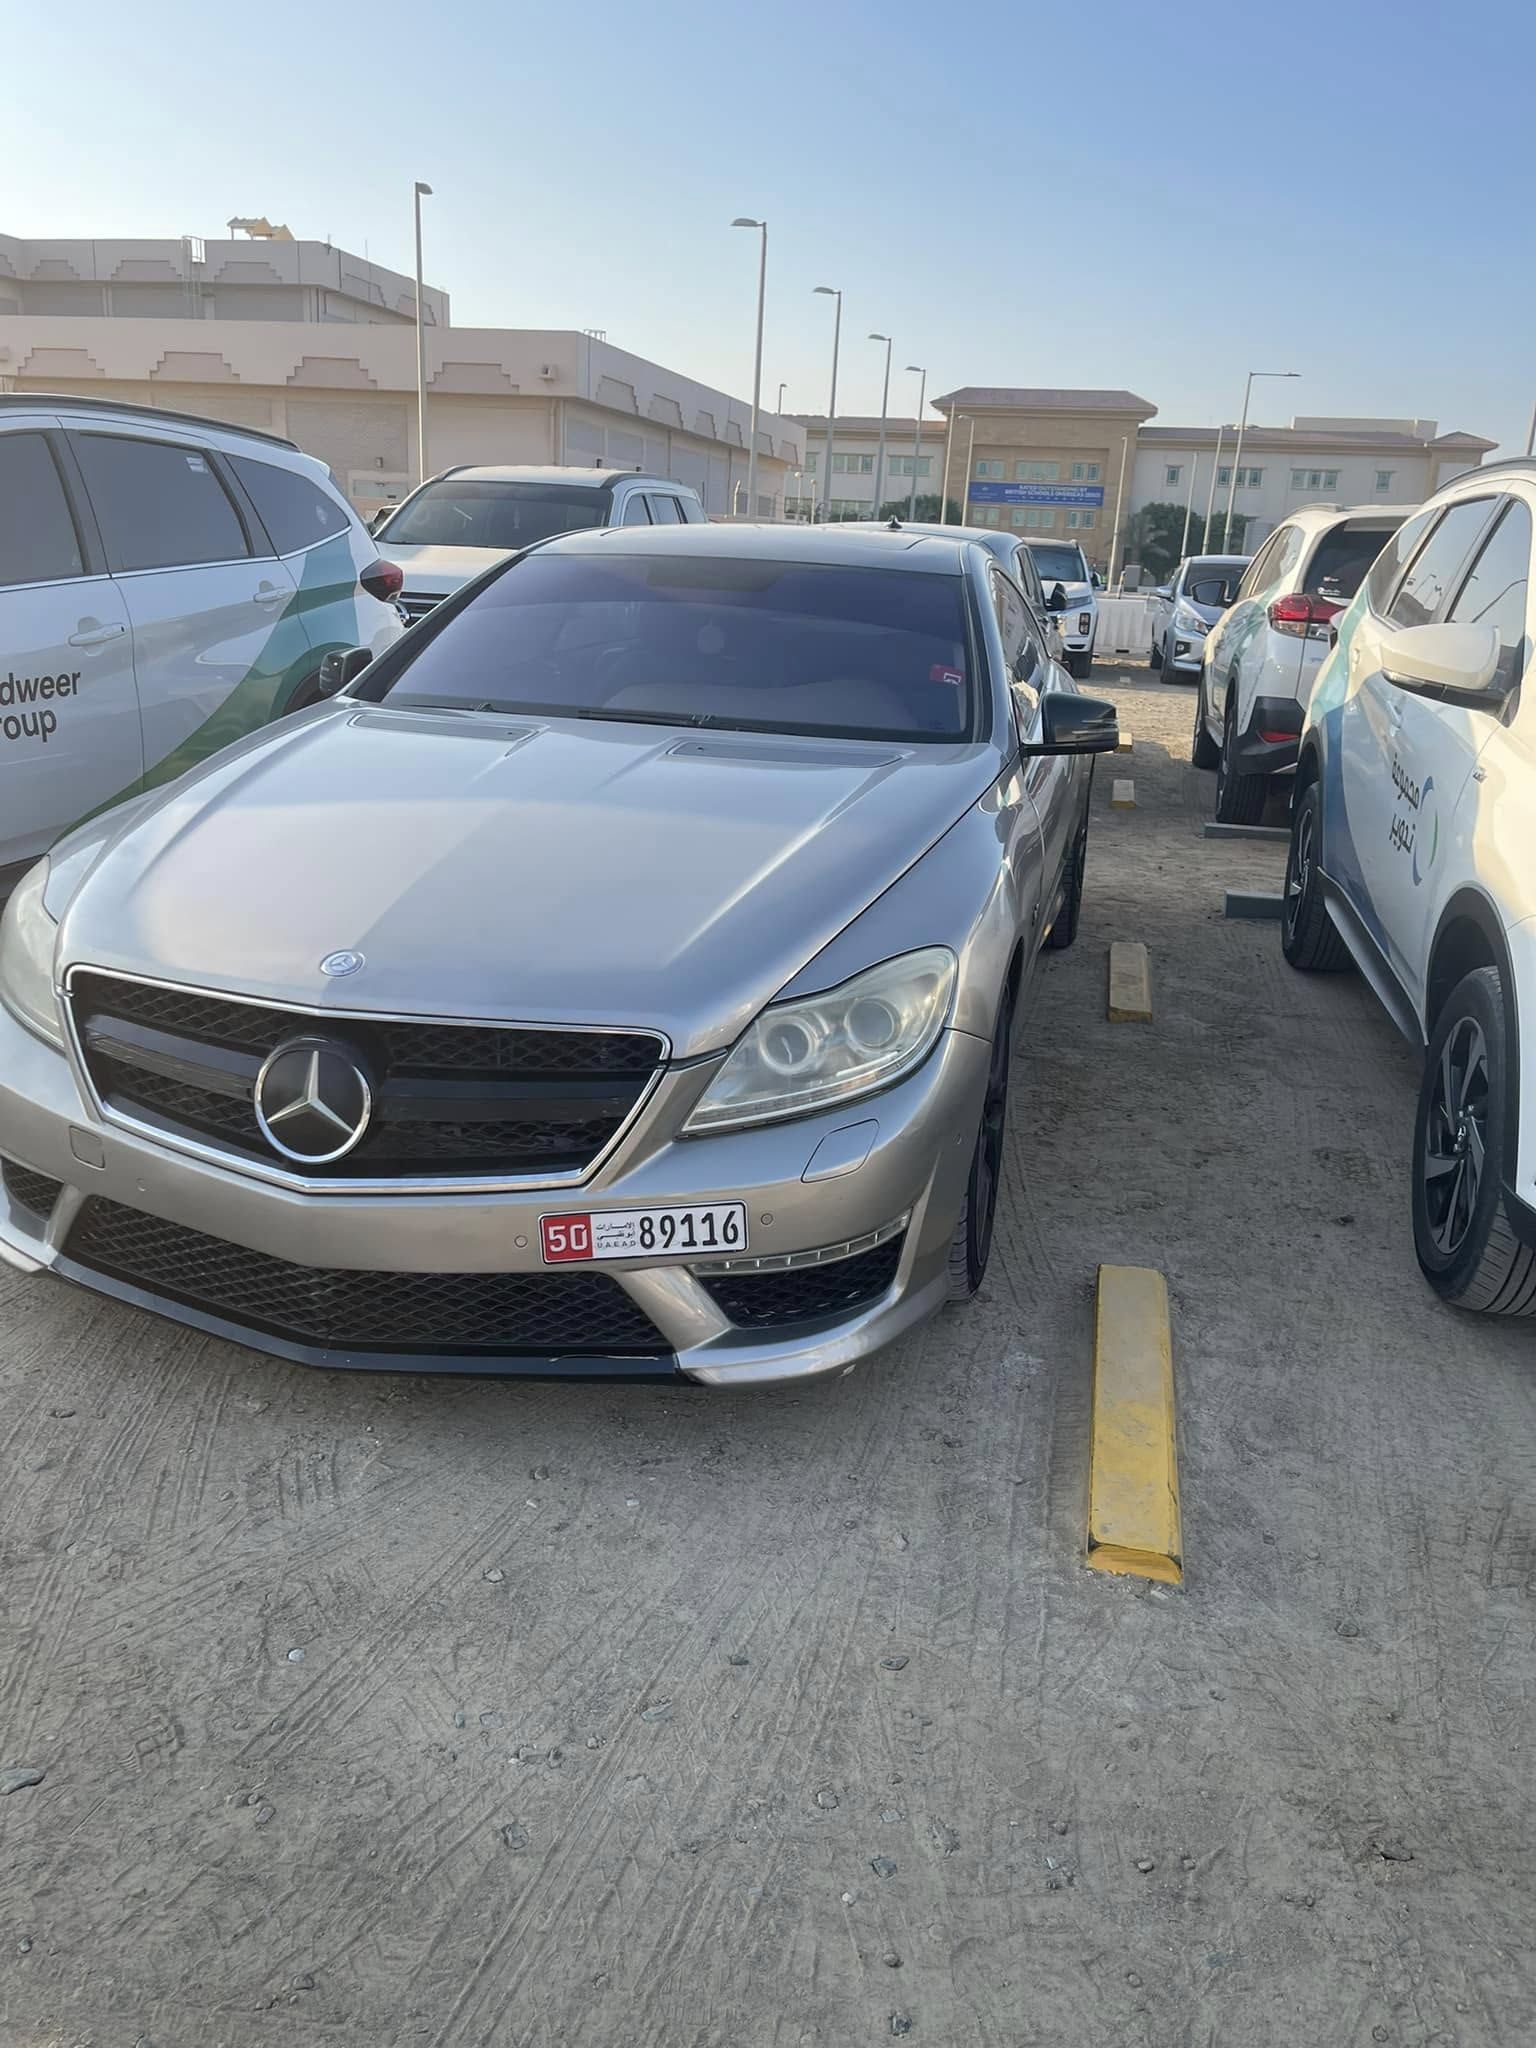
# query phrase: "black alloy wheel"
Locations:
[[971, 1246], [1455, 1149]]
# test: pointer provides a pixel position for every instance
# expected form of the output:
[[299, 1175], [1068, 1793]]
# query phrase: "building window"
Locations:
[[1224, 476], [996, 469], [1035, 472], [1039, 516], [1173, 472], [849, 508], [1020, 516], [810, 464], [1081, 520], [901, 465], [1315, 479], [1384, 479], [1249, 479], [1085, 472], [853, 465]]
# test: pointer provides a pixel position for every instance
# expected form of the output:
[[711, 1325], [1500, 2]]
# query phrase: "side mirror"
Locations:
[[341, 666], [1056, 601], [1070, 724], [1450, 660], [1165, 592]]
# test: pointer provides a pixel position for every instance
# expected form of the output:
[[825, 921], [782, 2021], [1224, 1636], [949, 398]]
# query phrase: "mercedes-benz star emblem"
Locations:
[[345, 962], [312, 1100]]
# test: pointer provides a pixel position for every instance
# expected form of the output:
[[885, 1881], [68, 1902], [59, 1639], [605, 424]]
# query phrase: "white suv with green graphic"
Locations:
[[1413, 851], [167, 584]]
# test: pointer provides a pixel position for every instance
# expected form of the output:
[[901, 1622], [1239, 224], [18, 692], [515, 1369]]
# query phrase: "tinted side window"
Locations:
[[635, 513], [664, 511], [38, 542], [295, 511], [1382, 580], [1029, 578], [1013, 624], [1495, 592], [159, 506], [1258, 568], [1432, 572]]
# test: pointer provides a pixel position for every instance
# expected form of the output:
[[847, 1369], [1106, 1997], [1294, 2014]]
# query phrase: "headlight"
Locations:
[[27, 935], [831, 1048], [1187, 621]]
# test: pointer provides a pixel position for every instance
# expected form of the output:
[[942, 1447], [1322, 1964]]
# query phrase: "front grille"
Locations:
[[417, 603], [32, 1190], [494, 1315], [754, 1301], [449, 1099]]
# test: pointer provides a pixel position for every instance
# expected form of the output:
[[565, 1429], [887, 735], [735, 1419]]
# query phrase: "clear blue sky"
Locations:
[[1158, 197]]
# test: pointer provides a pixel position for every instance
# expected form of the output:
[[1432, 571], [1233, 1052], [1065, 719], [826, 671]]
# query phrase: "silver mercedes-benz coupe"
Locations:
[[615, 977]]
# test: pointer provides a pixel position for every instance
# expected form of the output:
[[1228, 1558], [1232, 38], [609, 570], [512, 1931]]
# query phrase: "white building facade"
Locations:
[[856, 465], [342, 384]]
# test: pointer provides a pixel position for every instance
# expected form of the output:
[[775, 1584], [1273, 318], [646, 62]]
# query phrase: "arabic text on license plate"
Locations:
[[632, 1233]]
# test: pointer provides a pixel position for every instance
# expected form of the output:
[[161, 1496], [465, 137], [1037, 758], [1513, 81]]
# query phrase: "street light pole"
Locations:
[[757, 358], [782, 385], [422, 192], [830, 291], [1189, 504], [885, 400], [949, 436], [1114, 546], [1226, 538], [917, 433], [1210, 499]]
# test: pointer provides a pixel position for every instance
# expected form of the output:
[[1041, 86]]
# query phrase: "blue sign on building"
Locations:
[[1036, 494]]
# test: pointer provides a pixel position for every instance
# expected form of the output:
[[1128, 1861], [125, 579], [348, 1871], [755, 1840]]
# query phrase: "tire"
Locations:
[[1064, 930], [1203, 750], [1156, 656], [1240, 799], [1466, 1246], [1309, 938], [971, 1246], [1081, 665]]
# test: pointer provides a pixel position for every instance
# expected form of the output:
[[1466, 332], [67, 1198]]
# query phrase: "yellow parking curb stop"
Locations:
[[1122, 794], [1130, 983], [1125, 742], [1133, 1485]]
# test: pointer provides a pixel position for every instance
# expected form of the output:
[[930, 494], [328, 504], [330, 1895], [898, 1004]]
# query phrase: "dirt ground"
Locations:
[[383, 1711]]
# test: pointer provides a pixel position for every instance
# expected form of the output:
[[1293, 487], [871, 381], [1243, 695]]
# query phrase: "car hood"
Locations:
[[526, 870], [438, 571]]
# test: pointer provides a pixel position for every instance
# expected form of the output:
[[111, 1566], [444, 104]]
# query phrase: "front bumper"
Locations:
[[1271, 741], [910, 1158], [1185, 651]]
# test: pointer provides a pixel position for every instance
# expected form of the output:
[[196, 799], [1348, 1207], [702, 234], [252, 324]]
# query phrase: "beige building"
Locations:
[[856, 461], [304, 340], [1044, 461]]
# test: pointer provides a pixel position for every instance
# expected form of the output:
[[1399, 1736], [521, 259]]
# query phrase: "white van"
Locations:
[[167, 584]]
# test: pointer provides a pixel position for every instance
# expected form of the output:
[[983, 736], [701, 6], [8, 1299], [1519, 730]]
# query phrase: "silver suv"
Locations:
[[463, 521]]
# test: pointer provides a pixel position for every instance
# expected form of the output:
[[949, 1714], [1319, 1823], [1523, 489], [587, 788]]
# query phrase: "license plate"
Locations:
[[638, 1233]]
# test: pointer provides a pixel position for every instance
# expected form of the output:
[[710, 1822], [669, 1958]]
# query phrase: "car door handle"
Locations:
[[93, 635], [268, 595]]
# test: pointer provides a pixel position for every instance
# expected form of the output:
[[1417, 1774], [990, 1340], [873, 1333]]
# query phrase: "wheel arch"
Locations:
[[1470, 935]]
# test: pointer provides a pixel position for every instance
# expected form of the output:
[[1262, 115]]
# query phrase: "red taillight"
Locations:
[[382, 580], [1303, 616]]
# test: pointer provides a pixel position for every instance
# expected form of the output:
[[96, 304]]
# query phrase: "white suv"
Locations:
[[1063, 567], [1413, 849], [1263, 655]]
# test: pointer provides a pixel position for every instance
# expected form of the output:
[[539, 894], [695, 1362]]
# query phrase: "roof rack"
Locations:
[[72, 401]]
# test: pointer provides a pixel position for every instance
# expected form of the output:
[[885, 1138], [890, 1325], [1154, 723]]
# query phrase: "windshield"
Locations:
[[459, 513], [1059, 564], [712, 641]]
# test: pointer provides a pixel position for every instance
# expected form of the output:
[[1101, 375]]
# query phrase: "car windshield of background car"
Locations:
[[712, 641], [1338, 566], [456, 514], [1059, 565]]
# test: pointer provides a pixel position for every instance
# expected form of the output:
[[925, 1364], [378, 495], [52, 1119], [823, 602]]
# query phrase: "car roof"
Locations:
[[1318, 518], [996, 539], [74, 401], [555, 473], [1215, 561], [851, 547]]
